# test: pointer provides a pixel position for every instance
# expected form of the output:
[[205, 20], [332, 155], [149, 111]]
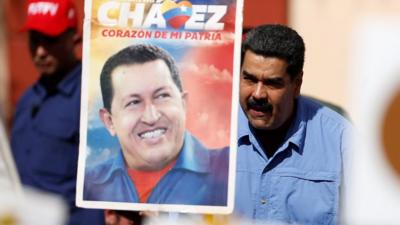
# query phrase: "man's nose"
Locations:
[[40, 51], [259, 92], [151, 114]]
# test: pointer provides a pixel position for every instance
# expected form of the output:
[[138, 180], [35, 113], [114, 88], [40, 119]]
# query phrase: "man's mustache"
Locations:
[[259, 104]]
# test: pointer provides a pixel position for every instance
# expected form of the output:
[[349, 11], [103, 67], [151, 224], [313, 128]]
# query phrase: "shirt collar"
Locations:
[[295, 135], [66, 86], [297, 131], [193, 156], [117, 165], [243, 127]]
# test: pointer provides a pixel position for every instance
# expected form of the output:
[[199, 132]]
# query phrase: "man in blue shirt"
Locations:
[[159, 162], [290, 148], [45, 132]]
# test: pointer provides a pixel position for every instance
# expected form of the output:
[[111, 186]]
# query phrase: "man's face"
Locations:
[[147, 114], [50, 54], [267, 93]]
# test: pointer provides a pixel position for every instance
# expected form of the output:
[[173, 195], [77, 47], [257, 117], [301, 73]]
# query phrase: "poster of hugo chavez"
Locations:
[[158, 117]]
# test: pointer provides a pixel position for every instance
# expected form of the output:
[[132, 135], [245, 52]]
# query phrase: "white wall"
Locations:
[[326, 26]]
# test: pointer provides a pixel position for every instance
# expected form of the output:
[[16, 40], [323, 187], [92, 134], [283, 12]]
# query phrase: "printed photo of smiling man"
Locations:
[[159, 162]]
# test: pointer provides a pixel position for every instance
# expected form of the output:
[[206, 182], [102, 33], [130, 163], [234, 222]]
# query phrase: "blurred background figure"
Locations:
[[373, 187], [45, 130]]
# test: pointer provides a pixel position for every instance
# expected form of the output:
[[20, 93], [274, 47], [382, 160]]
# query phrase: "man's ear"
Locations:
[[106, 118], [184, 96]]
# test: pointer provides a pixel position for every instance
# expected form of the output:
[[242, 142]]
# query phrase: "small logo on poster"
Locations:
[[176, 13]]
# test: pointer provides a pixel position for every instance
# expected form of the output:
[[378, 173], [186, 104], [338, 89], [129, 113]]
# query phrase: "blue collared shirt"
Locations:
[[199, 177], [45, 135], [300, 183], [45, 140]]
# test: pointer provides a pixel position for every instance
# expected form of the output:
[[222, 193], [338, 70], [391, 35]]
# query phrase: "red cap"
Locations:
[[50, 17]]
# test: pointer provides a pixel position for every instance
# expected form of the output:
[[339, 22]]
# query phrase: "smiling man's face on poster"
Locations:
[[147, 114]]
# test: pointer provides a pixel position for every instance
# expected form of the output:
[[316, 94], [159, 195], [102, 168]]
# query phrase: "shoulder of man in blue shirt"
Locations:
[[45, 139], [300, 183], [36, 92], [194, 157], [314, 124]]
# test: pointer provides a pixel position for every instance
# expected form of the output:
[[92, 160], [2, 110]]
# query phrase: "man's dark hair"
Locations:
[[277, 41], [135, 54]]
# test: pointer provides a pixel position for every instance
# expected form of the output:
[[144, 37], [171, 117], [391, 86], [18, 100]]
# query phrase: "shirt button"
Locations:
[[263, 201]]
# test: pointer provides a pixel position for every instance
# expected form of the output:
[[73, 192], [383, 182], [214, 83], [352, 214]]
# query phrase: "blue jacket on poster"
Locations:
[[199, 177]]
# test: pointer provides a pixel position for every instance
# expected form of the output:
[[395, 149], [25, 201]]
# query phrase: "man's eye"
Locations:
[[275, 83], [163, 95], [249, 78], [132, 103]]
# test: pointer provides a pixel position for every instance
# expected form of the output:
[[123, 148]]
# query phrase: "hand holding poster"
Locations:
[[158, 82]]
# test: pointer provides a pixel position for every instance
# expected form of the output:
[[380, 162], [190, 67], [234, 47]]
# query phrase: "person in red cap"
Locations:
[[45, 130]]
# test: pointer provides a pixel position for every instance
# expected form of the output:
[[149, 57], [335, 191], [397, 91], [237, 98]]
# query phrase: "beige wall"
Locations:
[[326, 26]]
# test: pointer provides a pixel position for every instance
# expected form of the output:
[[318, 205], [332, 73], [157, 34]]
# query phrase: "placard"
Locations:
[[159, 100]]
